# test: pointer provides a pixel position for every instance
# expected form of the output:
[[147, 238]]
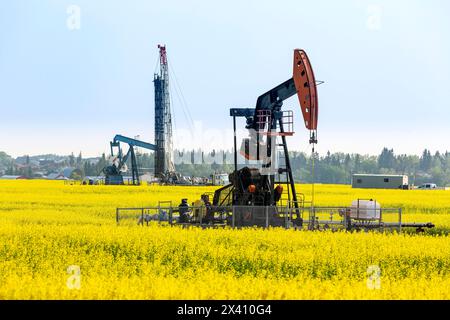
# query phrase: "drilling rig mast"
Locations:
[[163, 118]]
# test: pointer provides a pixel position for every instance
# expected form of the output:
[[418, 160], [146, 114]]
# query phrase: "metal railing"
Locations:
[[322, 218], [144, 215], [234, 216], [260, 216], [309, 218]]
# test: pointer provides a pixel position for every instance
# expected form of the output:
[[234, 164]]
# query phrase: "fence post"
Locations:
[[117, 215], [345, 218], [381, 216], [142, 216], [233, 217], [400, 220], [286, 220], [267, 216]]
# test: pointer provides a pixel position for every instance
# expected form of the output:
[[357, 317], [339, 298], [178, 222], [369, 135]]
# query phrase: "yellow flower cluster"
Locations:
[[61, 242]]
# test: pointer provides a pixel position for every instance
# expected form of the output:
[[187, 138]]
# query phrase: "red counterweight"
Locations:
[[305, 83]]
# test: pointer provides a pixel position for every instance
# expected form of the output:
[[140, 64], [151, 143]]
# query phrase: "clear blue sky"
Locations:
[[386, 65]]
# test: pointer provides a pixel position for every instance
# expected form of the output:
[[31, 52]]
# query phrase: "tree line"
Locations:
[[336, 168], [339, 167]]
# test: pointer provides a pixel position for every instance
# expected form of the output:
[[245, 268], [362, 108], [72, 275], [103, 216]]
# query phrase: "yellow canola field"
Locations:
[[61, 242]]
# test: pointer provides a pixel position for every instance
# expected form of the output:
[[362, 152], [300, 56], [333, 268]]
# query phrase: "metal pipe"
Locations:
[[235, 143], [235, 159]]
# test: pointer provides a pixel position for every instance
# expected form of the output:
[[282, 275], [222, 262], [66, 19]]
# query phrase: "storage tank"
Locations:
[[365, 210]]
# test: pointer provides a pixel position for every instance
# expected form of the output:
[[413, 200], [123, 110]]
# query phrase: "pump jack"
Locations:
[[266, 122], [113, 173]]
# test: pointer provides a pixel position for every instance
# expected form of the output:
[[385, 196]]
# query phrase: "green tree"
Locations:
[[101, 164], [72, 160], [79, 159], [29, 172], [357, 165], [386, 159], [426, 160]]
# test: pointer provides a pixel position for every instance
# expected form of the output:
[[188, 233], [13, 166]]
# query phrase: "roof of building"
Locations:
[[54, 176], [67, 172]]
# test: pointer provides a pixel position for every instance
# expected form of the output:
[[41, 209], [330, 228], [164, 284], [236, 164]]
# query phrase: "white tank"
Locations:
[[365, 210]]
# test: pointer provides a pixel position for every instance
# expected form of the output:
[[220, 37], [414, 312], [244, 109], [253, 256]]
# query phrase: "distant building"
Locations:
[[38, 175], [92, 161], [220, 179], [67, 172], [56, 176], [11, 177], [147, 177], [379, 181], [46, 162], [21, 160]]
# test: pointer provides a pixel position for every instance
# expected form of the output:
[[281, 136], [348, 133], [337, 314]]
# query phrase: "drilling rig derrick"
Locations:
[[164, 166]]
